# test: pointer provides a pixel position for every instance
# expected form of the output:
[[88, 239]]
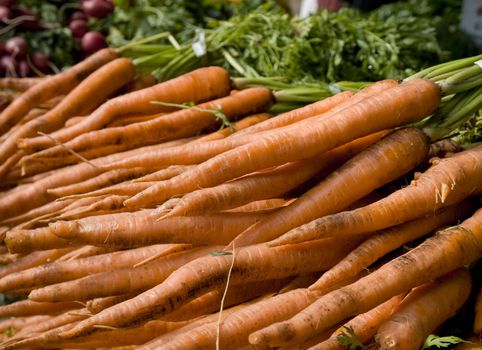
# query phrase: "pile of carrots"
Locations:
[[182, 215]]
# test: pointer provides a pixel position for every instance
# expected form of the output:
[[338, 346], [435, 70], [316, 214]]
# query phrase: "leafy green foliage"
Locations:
[[434, 341], [350, 339]]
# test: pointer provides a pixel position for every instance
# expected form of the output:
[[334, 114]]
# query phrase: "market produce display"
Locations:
[[156, 198]]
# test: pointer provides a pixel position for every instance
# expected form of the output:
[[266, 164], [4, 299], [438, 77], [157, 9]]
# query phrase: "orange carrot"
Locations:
[[53, 86], [197, 86], [364, 326], [389, 158], [133, 119], [26, 241], [137, 229], [383, 242], [30, 308], [60, 271], [33, 259], [74, 120], [105, 179], [447, 182], [478, 314], [98, 304], [413, 100], [20, 84], [133, 279], [87, 95], [199, 276], [448, 250], [266, 205], [184, 123], [423, 311], [164, 174], [265, 184]]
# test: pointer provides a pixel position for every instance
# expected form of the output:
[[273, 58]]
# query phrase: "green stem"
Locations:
[[143, 41]]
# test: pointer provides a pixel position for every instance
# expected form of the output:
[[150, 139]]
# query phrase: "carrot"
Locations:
[[447, 182], [328, 106], [87, 95], [444, 148], [98, 304], [10, 162], [14, 324], [30, 308], [53, 86], [134, 119], [74, 120], [383, 242], [265, 205], [46, 209], [390, 158], [263, 185], [478, 314], [201, 275], [34, 195], [164, 174], [106, 205], [20, 84], [183, 123], [197, 86], [26, 241], [448, 250], [211, 301], [137, 229], [60, 271], [83, 252], [105, 179], [364, 326], [33, 259], [8, 258], [423, 310], [119, 281], [110, 338], [412, 100]]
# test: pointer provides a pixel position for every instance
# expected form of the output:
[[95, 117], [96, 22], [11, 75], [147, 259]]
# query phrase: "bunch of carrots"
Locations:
[[183, 215]]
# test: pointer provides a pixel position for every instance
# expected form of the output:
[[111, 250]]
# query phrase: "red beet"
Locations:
[[97, 8], [16, 46], [5, 13], [40, 61], [93, 41], [78, 28], [6, 3], [8, 64], [30, 24]]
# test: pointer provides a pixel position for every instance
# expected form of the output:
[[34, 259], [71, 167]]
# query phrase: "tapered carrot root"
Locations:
[[134, 119], [122, 189], [26, 241], [252, 263], [197, 86], [326, 108], [30, 308], [55, 85], [211, 301], [423, 310], [134, 230], [111, 338], [60, 271], [184, 123], [389, 158], [45, 210], [33, 259], [20, 84], [448, 250], [478, 314], [385, 241], [14, 324], [412, 101], [164, 174], [365, 325], [261, 186], [106, 179], [87, 95], [34, 195], [127, 280], [98, 304], [447, 182]]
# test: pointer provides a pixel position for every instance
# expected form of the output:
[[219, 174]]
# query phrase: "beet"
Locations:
[[16, 46], [23, 69], [97, 8], [5, 14], [78, 15], [8, 64], [78, 28], [40, 61], [93, 41]]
